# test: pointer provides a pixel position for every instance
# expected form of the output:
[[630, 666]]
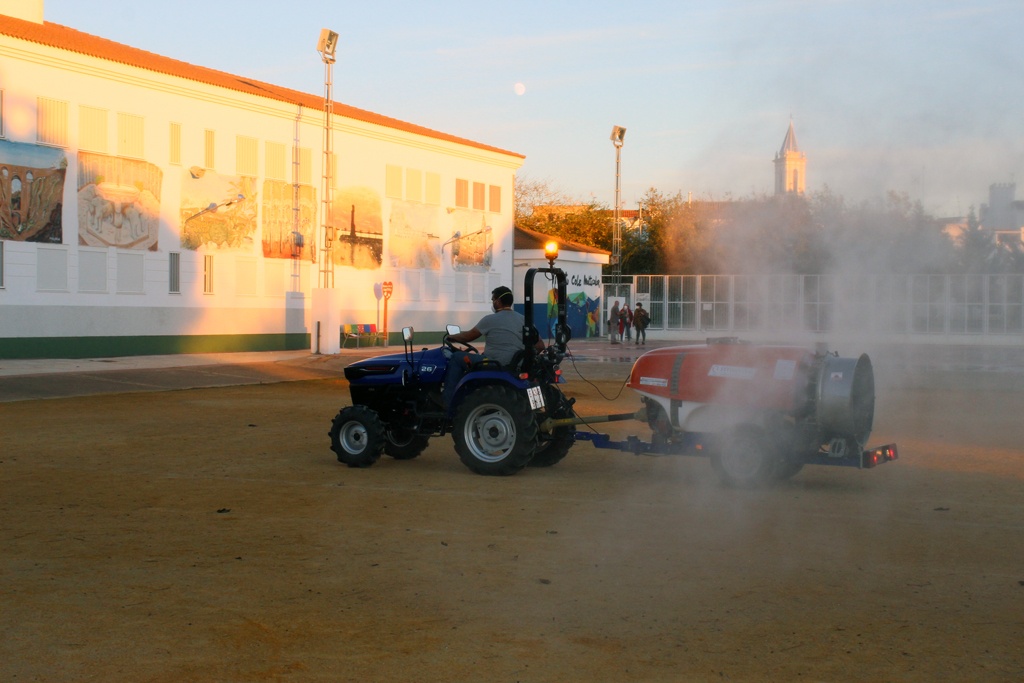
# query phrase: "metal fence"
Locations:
[[929, 305]]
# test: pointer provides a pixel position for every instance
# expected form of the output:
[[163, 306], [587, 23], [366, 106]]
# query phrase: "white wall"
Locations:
[[252, 294]]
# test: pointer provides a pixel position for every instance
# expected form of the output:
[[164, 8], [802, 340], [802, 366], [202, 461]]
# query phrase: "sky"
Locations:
[[923, 97]]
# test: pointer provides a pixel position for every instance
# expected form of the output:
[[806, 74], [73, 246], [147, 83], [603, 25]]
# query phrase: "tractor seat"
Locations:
[[485, 364]]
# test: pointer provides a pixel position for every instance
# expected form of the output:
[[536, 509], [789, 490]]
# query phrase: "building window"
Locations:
[[92, 270], [495, 198], [246, 156], [51, 122], [208, 274], [174, 272], [433, 188], [208, 156], [92, 129], [414, 185], [462, 193], [478, 196], [275, 161], [1, 264], [131, 275], [175, 144], [393, 182], [304, 166], [52, 269], [130, 136]]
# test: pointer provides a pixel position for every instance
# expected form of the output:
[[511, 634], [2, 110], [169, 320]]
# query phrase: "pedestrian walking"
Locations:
[[641, 319]]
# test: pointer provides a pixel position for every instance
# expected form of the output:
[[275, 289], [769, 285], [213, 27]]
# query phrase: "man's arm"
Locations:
[[465, 337]]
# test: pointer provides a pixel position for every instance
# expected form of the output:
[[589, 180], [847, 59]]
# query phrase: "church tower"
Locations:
[[790, 166]]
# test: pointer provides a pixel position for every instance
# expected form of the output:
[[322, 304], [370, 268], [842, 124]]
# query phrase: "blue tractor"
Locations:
[[499, 417]]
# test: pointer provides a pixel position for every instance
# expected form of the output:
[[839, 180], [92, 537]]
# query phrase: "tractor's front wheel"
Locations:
[[495, 431], [357, 436]]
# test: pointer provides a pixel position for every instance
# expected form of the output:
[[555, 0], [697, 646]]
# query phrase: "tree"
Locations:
[[542, 207], [978, 250], [528, 193], [813, 234]]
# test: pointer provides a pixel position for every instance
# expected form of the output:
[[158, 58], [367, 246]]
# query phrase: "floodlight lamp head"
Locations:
[[618, 135], [551, 252], [328, 44]]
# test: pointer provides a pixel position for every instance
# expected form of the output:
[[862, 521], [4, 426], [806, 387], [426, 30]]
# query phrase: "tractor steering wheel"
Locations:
[[458, 346]]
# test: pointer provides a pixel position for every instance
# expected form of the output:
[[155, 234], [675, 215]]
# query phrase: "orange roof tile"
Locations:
[[62, 37], [525, 238]]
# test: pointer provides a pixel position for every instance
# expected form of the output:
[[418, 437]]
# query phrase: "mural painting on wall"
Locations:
[[282, 238], [359, 232], [413, 239], [217, 211], [587, 311], [31, 192], [582, 313], [471, 243], [118, 202]]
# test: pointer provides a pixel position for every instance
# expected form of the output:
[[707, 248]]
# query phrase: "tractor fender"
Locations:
[[476, 378]]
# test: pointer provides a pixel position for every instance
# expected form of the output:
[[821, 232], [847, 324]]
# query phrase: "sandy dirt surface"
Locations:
[[210, 535]]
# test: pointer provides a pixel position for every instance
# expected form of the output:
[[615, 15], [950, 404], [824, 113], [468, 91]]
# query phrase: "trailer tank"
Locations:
[[764, 409]]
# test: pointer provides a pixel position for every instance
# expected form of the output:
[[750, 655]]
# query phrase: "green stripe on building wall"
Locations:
[[109, 347]]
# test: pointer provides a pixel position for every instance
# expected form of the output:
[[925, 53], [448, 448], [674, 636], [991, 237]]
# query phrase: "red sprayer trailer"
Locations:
[[760, 412]]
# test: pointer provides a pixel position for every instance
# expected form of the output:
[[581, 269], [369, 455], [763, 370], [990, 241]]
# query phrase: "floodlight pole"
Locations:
[[617, 137], [326, 48]]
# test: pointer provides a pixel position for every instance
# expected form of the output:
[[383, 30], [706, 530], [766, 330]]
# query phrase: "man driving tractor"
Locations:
[[502, 331]]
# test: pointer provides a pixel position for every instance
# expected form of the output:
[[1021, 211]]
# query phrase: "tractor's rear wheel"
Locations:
[[403, 444], [357, 436], [495, 431], [553, 447], [746, 457]]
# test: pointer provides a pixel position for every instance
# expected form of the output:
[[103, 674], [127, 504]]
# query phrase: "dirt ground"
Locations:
[[210, 535]]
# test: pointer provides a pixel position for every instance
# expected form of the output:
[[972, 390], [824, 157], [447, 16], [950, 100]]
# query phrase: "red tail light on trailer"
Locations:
[[879, 456]]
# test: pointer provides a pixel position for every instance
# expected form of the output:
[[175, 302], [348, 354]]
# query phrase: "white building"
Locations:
[[582, 265], [1004, 213], [111, 157]]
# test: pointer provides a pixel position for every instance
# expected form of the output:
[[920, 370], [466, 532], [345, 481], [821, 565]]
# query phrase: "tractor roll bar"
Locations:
[[562, 332]]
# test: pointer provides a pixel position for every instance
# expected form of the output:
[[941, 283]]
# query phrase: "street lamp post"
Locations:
[[617, 137], [326, 46]]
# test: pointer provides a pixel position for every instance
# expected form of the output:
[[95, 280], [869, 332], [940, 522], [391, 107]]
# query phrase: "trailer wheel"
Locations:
[[357, 436], [553, 447], [495, 431], [403, 444], [787, 468], [791, 452], [746, 457]]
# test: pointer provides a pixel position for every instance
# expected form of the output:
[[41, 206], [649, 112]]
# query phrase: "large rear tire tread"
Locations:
[[357, 436], [495, 431], [552, 448]]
